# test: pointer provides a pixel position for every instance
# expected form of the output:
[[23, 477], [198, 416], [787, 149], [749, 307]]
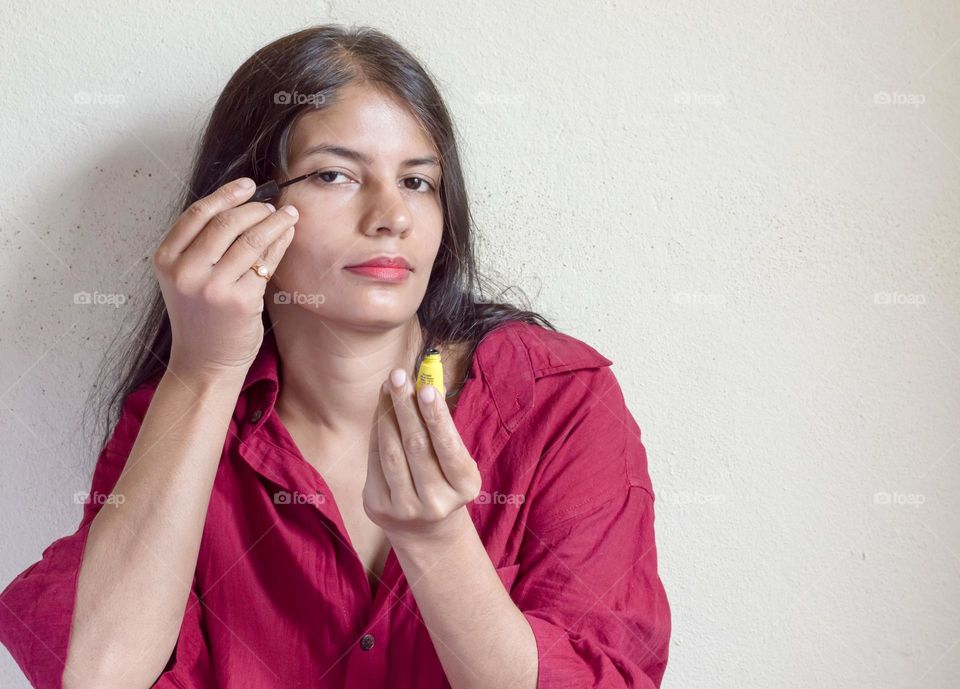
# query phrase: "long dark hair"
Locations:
[[247, 136]]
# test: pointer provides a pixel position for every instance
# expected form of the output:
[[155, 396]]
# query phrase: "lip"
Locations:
[[384, 262], [382, 273]]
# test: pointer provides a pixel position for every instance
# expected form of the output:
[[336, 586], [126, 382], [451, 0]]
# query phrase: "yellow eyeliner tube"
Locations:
[[431, 372]]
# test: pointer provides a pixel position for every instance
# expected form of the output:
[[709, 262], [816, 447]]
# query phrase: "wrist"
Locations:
[[205, 384], [205, 377], [437, 535]]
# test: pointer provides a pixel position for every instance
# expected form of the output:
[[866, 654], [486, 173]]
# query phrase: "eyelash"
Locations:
[[318, 175]]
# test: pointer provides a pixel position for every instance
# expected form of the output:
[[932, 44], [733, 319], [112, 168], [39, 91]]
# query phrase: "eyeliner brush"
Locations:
[[270, 190]]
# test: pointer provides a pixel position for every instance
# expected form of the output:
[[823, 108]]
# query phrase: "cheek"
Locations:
[[319, 210], [311, 255], [427, 216], [322, 234]]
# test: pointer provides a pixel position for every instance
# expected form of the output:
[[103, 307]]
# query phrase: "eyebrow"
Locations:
[[350, 154]]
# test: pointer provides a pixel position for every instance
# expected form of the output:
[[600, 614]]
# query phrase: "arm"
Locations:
[[126, 604], [601, 619], [588, 582], [479, 634], [141, 555], [587, 609], [579, 618], [138, 558]]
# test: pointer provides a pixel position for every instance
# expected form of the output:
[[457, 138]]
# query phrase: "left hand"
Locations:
[[421, 473]]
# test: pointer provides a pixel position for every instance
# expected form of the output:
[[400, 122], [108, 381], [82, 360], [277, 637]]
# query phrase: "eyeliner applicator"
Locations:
[[270, 190]]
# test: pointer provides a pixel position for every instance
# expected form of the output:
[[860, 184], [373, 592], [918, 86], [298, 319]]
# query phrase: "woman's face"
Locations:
[[378, 195]]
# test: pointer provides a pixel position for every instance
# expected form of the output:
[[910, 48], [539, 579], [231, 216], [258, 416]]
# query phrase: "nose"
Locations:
[[387, 209]]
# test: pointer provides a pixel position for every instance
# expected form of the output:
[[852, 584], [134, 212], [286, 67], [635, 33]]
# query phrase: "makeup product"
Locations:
[[271, 190], [431, 372]]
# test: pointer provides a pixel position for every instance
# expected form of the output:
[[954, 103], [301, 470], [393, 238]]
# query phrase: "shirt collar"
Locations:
[[507, 362]]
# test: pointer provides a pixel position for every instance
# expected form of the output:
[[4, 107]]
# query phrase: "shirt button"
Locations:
[[366, 642], [256, 415]]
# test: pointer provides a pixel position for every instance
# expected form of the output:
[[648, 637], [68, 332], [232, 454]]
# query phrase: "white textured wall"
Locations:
[[712, 194]]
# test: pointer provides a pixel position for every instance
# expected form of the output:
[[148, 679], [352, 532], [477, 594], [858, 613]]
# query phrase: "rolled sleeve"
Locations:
[[37, 606], [588, 583], [36, 610]]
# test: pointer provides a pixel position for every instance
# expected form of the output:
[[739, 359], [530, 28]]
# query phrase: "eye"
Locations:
[[327, 176], [429, 186]]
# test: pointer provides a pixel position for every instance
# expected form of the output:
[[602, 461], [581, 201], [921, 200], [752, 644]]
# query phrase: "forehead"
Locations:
[[364, 119]]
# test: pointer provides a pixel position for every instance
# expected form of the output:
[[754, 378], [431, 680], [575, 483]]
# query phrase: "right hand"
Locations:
[[213, 298]]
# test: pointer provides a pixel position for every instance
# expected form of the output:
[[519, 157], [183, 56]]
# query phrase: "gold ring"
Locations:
[[262, 270]]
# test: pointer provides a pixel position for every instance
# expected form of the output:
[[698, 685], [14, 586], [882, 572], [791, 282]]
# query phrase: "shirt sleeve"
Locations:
[[587, 580], [36, 608]]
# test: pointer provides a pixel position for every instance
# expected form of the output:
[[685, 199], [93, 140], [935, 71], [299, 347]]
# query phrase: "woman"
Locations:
[[275, 506]]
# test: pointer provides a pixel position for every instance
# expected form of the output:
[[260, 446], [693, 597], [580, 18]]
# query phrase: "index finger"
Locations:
[[201, 211]]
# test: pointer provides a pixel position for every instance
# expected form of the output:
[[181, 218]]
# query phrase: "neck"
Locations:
[[331, 373]]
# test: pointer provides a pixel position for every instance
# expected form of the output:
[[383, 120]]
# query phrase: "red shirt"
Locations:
[[281, 599]]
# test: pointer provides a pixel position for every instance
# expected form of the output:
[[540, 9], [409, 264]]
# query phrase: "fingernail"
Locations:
[[428, 393], [271, 207], [245, 183], [398, 376], [290, 210]]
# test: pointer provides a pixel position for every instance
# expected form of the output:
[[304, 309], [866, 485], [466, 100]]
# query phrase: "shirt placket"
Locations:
[[367, 656]]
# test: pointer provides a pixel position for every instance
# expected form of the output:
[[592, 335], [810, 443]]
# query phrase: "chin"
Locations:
[[374, 317]]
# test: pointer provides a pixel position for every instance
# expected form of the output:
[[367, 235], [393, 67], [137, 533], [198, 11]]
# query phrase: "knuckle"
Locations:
[[199, 208], [392, 460], [474, 486], [434, 510], [447, 443], [417, 443], [468, 483], [371, 507], [407, 512], [252, 240], [218, 223], [160, 259], [182, 282], [211, 292]]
